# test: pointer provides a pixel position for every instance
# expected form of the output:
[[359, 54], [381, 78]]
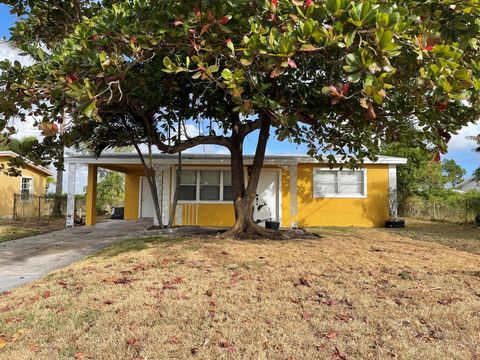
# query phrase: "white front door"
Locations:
[[266, 204], [146, 200]]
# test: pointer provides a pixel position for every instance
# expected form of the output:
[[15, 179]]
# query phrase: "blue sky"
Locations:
[[461, 150]]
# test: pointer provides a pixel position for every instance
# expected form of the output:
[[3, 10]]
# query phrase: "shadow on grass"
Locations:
[[136, 244]]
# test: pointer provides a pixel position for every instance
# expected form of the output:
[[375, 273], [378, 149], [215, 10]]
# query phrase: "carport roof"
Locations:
[[211, 159]]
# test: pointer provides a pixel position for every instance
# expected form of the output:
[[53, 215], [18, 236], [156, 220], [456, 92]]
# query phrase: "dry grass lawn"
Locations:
[[11, 230], [354, 294]]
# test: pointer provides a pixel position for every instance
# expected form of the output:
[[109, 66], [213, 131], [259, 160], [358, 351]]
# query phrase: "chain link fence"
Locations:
[[41, 206], [455, 211]]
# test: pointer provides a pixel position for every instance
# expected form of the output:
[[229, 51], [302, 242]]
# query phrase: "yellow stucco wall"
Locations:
[[132, 192], [10, 185], [367, 212], [371, 211]]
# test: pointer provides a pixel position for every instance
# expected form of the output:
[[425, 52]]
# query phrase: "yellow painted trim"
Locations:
[[91, 197]]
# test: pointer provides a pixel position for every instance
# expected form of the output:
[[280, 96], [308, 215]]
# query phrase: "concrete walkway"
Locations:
[[27, 259]]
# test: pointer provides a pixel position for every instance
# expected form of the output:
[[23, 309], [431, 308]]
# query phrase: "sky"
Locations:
[[460, 149]]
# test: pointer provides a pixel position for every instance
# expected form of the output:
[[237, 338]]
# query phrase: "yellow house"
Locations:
[[33, 181], [297, 191]]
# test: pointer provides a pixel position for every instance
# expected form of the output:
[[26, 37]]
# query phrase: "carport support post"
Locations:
[[293, 197], [91, 213], [72, 168]]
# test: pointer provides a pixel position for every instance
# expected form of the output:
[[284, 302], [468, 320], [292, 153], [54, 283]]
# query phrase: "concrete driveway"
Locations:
[[27, 259]]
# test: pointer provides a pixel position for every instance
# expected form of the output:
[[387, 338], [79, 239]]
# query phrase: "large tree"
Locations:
[[343, 77]]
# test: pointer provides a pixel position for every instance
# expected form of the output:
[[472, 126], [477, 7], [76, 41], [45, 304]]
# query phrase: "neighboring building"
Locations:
[[468, 185], [33, 181], [298, 190]]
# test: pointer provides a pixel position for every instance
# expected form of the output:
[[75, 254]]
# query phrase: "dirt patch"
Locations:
[[353, 294], [11, 230]]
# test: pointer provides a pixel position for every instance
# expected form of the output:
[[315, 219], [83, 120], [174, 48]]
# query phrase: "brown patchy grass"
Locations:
[[460, 237], [354, 294], [11, 230]]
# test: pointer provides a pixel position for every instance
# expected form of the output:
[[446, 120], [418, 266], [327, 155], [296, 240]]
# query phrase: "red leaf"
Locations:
[[274, 3], [308, 3], [132, 341], [46, 294], [292, 64], [224, 20], [345, 89], [198, 13]]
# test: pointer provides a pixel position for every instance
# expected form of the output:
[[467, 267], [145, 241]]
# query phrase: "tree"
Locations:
[[110, 190], [453, 173], [341, 76]]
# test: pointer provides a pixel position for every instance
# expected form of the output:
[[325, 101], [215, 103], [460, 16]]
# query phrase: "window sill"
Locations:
[[340, 196], [195, 202]]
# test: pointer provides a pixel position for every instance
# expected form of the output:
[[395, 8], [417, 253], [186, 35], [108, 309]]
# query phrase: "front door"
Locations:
[[146, 200], [267, 200]]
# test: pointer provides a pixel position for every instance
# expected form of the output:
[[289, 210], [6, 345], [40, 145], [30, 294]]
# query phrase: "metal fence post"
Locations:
[[14, 215]]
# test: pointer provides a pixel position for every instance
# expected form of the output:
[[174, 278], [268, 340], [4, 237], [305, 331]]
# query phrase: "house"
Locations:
[[33, 181], [468, 185], [297, 191]]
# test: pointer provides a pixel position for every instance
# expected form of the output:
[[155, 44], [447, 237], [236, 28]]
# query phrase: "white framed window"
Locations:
[[26, 187], [336, 183], [205, 186]]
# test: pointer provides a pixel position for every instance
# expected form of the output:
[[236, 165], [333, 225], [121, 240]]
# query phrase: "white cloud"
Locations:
[[459, 141]]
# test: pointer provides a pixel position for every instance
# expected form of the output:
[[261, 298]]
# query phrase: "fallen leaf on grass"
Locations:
[[132, 341], [447, 301], [18, 335], [170, 284], [306, 315], [122, 281], [339, 354], [227, 345], [331, 335], [302, 281], [79, 356], [3, 342], [34, 348], [47, 294]]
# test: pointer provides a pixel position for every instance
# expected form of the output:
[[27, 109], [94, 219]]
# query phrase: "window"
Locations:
[[210, 185], [227, 186], [206, 185], [188, 186], [339, 183], [26, 187]]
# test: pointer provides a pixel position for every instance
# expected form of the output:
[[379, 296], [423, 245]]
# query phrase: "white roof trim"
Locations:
[[27, 162], [281, 160]]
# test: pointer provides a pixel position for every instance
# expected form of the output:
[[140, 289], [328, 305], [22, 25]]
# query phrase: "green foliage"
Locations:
[[476, 175], [22, 147], [422, 176], [341, 76], [110, 191], [453, 173]]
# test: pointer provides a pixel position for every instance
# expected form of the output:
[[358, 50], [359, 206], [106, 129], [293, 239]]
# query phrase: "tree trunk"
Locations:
[[57, 200], [245, 227], [173, 211], [150, 175]]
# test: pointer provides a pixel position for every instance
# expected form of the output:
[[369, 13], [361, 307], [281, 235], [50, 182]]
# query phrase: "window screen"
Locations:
[[25, 187], [188, 186], [338, 183], [210, 185], [227, 186]]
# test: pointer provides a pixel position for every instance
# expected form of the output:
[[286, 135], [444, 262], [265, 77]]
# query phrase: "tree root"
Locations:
[[256, 232]]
